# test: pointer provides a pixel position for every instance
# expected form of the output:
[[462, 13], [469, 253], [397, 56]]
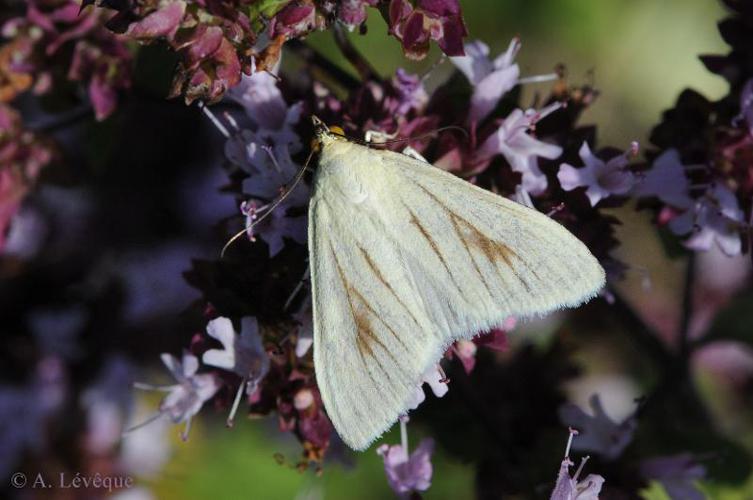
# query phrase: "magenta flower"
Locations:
[[352, 13], [569, 488], [600, 179], [677, 474], [490, 79], [439, 20], [598, 433], [407, 474], [522, 149], [55, 38]]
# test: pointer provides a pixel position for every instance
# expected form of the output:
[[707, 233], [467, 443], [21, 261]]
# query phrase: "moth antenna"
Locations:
[[404, 435], [427, 134], [269, 210], [404, 139], [150, 387]]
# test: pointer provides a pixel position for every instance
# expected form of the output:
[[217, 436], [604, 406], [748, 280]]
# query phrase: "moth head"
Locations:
[[322, 132]]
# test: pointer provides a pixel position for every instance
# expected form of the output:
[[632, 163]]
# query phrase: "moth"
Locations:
[[406, 259]]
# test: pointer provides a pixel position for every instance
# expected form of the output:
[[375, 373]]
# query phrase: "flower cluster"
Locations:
[[218, 42], [22, 157], [699, 180], [518, 152], [54, 42]]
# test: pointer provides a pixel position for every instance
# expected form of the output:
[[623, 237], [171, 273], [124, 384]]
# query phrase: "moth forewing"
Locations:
[[407, 258]]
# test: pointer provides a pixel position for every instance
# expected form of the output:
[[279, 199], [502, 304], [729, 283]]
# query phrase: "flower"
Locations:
[[600, 179], [241, 354], [490, 79], [520, 148], [569, 488], [407, 474], [184, 399], [495, 339], [677, 473], [275, 227], [97, 57], [411, 94], [436, 379], [352, 13], [598, 433], [667, 181], [22, 157], [26, 411], [715, 217], [414, 26]]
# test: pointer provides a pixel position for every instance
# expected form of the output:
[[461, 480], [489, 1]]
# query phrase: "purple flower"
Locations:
[[715, 217], [242, 354], [275, 227], [25, 411], [598, 433], [407, 474], [667, 181], [520, 148], [107, 403], [437, 381], [600, 179], [746, 104], [410, 91], [677, 473], [569, 488], [490, 79], [184, 399]]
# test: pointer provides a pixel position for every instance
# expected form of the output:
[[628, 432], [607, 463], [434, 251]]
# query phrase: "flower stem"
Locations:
[[643, 334], [687, 311], [315, 58], [365, 70]]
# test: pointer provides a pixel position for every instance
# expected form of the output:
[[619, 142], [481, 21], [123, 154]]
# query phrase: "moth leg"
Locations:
[[378, 136], [409, 151], [306, 276]]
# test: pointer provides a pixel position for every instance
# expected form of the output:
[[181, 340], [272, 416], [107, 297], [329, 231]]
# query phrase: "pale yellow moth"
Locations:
[[407, 258]]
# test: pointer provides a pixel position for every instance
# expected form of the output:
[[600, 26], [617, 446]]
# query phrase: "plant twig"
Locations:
[[643, 334], [684, 346], [315, 58], [63, 120], [365, 70]]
